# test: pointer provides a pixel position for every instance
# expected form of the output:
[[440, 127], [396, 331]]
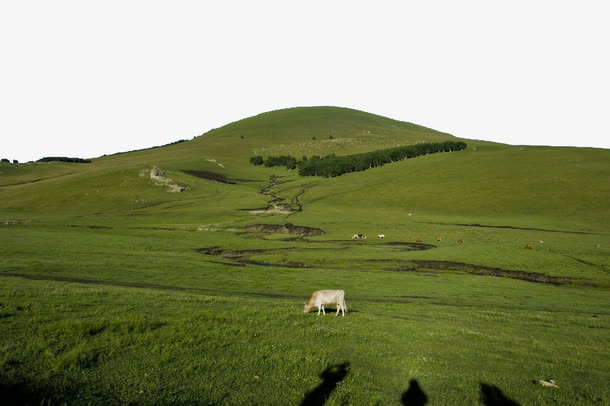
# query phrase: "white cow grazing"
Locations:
[[381, 236], [326, 297]]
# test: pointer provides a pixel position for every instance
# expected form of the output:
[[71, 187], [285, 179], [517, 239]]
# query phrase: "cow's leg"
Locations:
[[319, 308], [323, 312], [338, 309]]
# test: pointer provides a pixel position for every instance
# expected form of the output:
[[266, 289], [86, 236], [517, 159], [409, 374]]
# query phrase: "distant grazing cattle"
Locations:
[[410, 214], [461, 241], [596, 245], [358, 236], [420, 240], [541, 242], [327, 297], [381, 236], [529, 246], [438, 239]]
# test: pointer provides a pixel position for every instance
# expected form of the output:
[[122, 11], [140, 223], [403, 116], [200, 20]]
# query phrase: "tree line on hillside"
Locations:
[[332, 165], [288, 161], [64, 159]]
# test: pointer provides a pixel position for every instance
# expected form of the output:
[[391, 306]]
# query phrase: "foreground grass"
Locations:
[[100, 344]]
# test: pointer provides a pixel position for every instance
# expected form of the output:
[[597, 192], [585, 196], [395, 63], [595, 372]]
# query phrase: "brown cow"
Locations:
[[438, 239], [420, 240], [529, 246], [461, 241]]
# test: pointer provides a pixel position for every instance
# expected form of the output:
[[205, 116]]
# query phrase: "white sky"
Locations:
[[87, 78]]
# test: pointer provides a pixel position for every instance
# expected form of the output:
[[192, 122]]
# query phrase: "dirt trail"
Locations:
[[144, 285], [273, 295], [277, 205], [490, 271], [394, 265], [511, 228], [37, 180]]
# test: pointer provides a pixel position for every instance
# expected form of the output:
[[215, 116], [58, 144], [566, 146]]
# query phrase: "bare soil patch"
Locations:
[[216, 177], [489, 271], [243, 256], [514, 228], [158, 176], [415, 265], [91, 227], [14, 222], [285, 229]]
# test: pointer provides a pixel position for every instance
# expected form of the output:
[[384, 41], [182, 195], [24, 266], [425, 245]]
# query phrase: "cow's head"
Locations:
[[307, 308]]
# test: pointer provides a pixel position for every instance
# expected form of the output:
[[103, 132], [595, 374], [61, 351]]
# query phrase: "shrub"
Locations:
[[256, 160], [288, 161]]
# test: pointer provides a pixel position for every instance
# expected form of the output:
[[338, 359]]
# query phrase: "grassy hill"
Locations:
[[115, 288]]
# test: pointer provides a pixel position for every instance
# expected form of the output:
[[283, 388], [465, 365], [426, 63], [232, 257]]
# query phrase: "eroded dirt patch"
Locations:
[[91, 227], [278, 205], [14, 222], [157, 175], [243, 256], [408, 246], [513, 228], [415, 265], [285, 229], [216, 177], [488, 271]]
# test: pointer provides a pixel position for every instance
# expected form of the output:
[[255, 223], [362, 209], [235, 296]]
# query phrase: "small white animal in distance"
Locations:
[[550, 383]]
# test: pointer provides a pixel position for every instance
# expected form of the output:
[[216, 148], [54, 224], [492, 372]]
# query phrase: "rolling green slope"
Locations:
[[111, 182], [484, 182], [526, 186]]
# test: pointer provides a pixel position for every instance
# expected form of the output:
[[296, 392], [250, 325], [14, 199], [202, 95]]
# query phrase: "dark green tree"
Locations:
[[256, 160]]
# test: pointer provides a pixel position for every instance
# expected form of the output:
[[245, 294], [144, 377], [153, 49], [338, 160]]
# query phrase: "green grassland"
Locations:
[[115, 291]]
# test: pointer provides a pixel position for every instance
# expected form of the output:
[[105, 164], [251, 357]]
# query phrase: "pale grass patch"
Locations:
[[313, 148]]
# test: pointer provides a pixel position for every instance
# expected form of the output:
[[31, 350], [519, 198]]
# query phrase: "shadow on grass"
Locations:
[[492, 396], [414, 396], [331, 377], [19, 394]]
